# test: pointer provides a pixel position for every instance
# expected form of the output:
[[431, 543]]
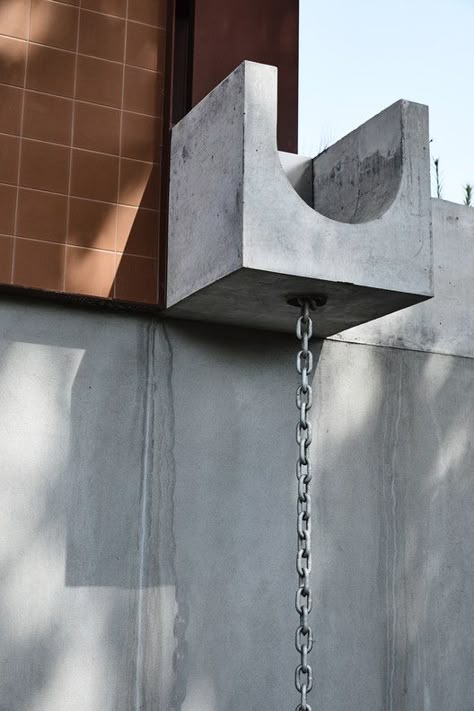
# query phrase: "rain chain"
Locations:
[[304, 397]]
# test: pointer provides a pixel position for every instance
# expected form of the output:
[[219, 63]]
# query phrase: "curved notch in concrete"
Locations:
[[248, 225], [358, 178]]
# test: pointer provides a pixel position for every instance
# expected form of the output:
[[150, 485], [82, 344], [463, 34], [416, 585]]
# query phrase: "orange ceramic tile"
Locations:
[[151, 195], [94, 176], [54, 24], [143, 91], [42, 215], [39, 265], [15, 18], [136, 279], [137, 231], [9, 148], [102, 36], [89, 271], [48, 118], [12, 61], [99, 81], [141, 136], [97, 128], [92, 224], [44, 166], [109, 7], [50, 70], [6, 253], [145, 46], [151, 12], [7, 209], [10, 109], [139, 184]]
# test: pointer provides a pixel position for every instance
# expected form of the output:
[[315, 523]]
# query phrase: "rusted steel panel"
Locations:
[[228, 31]]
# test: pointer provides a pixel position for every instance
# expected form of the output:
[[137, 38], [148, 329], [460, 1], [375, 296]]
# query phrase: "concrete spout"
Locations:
[[249, 226]]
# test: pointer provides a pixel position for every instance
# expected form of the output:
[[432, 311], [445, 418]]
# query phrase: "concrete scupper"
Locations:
[[253, 232]]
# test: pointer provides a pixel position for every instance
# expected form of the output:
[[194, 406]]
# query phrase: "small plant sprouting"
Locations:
[[439, 186], [468, 194]]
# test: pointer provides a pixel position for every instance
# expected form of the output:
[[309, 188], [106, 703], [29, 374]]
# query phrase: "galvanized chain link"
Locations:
[[304, 398]]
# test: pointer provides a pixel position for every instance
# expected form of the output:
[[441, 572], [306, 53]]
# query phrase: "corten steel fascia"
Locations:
[[226, 33]]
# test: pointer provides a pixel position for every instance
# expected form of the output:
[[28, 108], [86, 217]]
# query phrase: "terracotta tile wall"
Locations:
[[81, 113]]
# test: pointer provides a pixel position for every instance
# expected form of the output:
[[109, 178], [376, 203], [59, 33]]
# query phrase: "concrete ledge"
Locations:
[[249, 226], [444, 324]]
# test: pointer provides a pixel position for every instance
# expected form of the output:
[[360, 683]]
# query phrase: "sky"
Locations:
[[359, 56]]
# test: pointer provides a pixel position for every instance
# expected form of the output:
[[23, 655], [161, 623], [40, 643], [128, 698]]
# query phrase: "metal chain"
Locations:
[[304, 398]]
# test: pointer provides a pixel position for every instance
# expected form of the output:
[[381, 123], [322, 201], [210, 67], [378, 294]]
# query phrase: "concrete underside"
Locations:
[[259, 299], [147, 543]]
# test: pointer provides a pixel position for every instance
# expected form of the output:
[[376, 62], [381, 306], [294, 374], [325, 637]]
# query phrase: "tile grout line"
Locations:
[[78, 246], [109, 14], [85, 101], [83, 54], [122, 102], [20, 142], [73, 117], [80, 197], [79, 148]]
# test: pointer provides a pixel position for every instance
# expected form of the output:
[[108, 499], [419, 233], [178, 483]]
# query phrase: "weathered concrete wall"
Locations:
[[147, 525], [444, 324]]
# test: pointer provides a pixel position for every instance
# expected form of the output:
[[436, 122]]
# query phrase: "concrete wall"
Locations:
[[444, 324], [147, 542]]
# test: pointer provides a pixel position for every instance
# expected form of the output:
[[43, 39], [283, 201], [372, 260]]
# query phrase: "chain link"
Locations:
[[304, 400]]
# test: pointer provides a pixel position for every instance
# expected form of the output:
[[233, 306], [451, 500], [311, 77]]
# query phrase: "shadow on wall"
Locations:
[[79, 580], [434, 463], [235, 528], [114, 199], [91, 612], [375, 454], [148, 549]]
